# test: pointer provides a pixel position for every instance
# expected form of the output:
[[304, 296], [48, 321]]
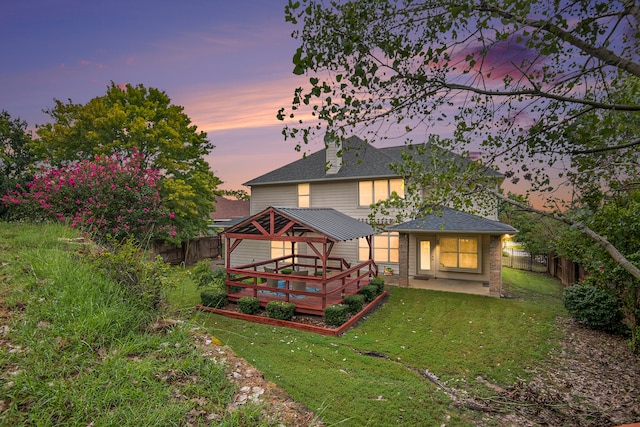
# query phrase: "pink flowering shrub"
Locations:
[[108, 198]]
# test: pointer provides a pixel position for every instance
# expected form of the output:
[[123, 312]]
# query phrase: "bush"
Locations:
[[370, 293], [109, 198], [354, 302], [594, 307], [144, 282], [215, 298], [249, 305], [379, 283], [280, 310], [337, 314], [205, 277]]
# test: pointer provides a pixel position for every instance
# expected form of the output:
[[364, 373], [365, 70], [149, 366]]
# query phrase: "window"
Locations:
[[304, 195], [460, 253], [279, 249], [370, 192], [386, 248]]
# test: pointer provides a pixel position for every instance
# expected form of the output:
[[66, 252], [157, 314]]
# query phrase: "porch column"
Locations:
[[495, 266], [403, 267]]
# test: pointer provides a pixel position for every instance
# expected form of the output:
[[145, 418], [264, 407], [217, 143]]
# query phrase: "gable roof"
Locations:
[[359, 160], [325, 221], [447, 220]]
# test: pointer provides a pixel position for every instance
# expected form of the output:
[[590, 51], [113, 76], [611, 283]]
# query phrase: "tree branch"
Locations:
[[605, 55], [600, 240], [602, 149]]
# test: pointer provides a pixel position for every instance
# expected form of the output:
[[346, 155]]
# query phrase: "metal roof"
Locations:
[[325, 221], [447, 220]]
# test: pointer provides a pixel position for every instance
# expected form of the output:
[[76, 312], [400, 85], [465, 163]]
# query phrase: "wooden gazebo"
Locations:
[[310, 281]]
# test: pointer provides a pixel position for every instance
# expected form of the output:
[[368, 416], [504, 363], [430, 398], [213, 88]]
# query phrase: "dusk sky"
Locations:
[[227, 63]]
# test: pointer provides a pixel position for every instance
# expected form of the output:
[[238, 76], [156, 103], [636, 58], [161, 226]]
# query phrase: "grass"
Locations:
[[374, 374], [76, 351]]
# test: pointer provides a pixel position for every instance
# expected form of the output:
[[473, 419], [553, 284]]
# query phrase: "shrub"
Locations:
[[354, 302], [286, 271], [370, 292], [337, 314], [109, 198], [280, 310], [205, 277], [144, 282], [594, 307], [379, 283], [215, 298], [249, 305]]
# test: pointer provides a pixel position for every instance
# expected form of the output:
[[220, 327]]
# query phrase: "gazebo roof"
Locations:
[[325, 221]]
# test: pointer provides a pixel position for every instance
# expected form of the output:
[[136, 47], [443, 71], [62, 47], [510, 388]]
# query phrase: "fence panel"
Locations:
[[522, 260]]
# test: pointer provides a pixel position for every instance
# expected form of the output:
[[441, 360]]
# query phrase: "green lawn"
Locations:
[[79, 353], [374, 374]]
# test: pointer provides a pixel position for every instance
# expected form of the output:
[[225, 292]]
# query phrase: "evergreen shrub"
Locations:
[[280, 310], [354, 302], [249, 305], [336, 314]]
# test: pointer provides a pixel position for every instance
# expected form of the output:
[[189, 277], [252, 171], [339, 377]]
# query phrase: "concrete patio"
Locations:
[[445, 285]]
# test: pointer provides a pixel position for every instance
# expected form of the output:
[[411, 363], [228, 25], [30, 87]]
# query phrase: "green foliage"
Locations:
[[215, 298], [144, 282], [594, 306], [205, 277], [280, 310], [536, 232], [337, 314], [135, 117], [353, 302], [108, 198], [15, 158], [249, 305], [379, 282], [79, 350], [616, 218], [370, 292]]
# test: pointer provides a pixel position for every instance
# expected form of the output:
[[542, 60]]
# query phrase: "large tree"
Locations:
[[131, 119], [547, 90], [15, 158]]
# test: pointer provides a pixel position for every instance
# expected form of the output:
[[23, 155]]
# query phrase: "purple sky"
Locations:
[[228, 63]]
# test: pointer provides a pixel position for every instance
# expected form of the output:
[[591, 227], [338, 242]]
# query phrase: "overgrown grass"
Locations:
[[75, 350], [375, 373]]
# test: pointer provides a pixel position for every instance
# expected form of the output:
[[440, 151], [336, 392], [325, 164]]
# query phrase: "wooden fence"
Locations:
[[568, 271], [190, 252]]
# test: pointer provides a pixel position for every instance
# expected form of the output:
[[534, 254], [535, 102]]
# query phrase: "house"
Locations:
[[446, 244], [229, 212]]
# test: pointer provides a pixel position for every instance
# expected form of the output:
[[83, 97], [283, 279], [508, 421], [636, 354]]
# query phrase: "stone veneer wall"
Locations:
[[495, 266], [403, 279]]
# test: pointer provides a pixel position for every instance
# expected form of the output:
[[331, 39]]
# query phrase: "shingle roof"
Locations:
[[447, 220], [326, 221], [359, 160]]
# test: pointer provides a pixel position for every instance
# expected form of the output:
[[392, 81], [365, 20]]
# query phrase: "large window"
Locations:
[[370, 192], [304, 195], [386, 248], [279, 249], [460, 253]]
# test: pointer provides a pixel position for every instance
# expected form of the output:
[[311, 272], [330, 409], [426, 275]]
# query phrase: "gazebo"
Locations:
[[312, 280]]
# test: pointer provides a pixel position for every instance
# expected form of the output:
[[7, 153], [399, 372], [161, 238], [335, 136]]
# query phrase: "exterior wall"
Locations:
[[274, 195]]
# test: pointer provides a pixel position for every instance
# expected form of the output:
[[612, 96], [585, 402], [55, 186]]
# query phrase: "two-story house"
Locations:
[[446, 244]]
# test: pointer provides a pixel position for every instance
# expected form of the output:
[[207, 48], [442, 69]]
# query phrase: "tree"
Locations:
[[536, 87], [135, 118], [15, 159]]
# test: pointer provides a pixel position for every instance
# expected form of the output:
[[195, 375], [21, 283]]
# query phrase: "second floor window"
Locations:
[[304, 195], [370, 192]]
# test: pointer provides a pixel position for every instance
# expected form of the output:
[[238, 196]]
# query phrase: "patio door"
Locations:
[[425, 256]]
